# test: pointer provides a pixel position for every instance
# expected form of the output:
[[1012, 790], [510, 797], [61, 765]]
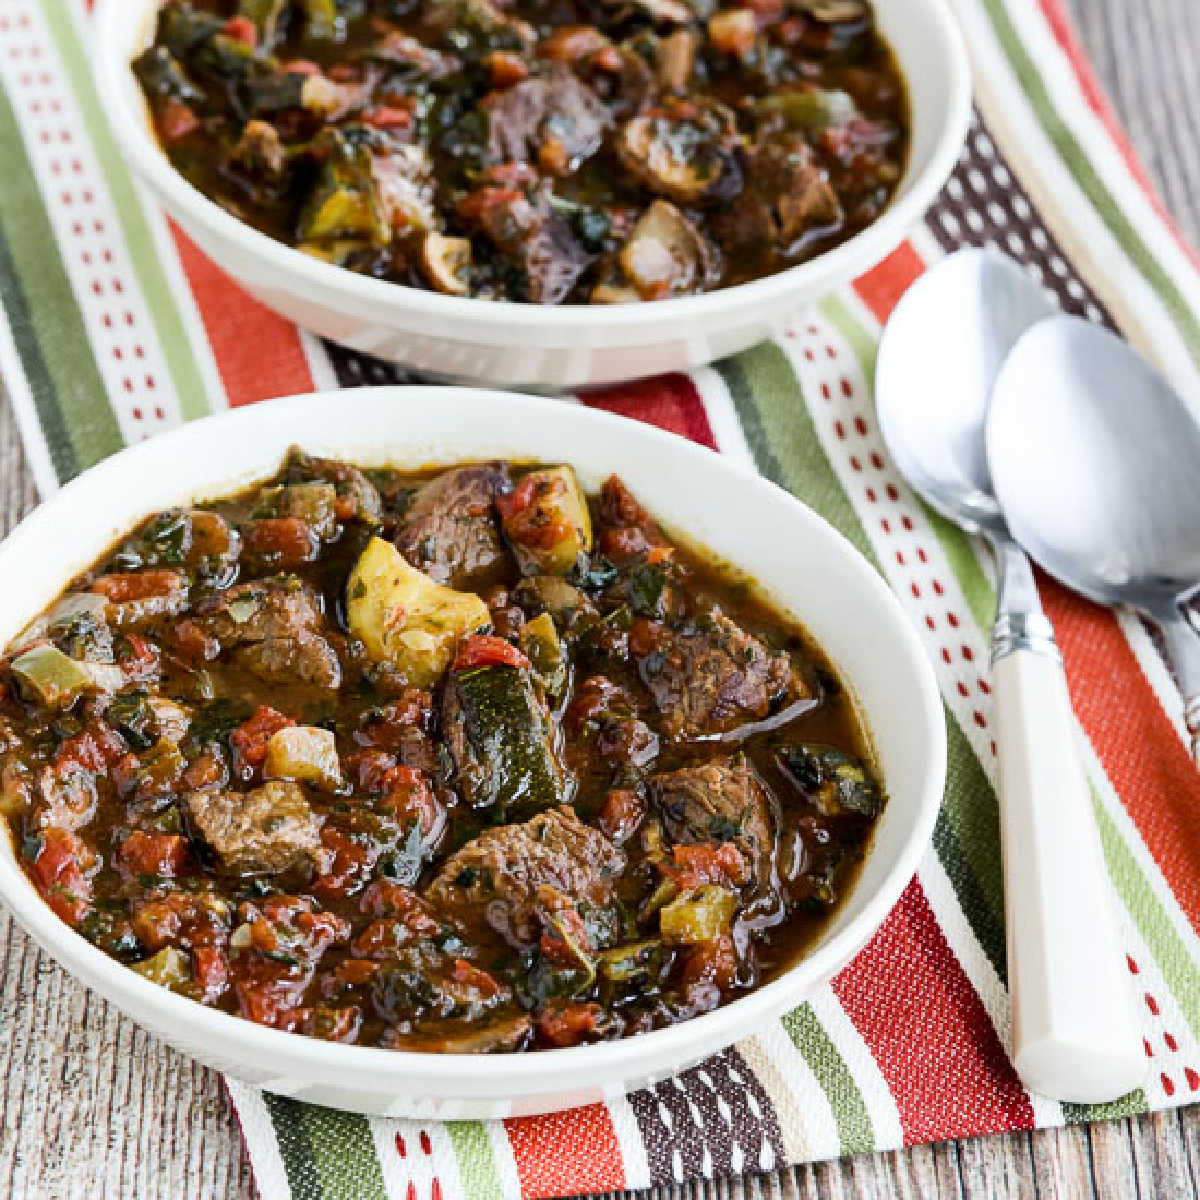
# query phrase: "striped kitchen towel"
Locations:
[[117, 328]]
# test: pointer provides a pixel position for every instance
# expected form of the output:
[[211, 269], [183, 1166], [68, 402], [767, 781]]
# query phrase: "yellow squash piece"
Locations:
[[554, 530], [403, 617]]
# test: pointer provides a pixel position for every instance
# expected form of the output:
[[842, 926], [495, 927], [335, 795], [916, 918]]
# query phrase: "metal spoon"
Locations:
[[1096, 460], [1074, 1034]]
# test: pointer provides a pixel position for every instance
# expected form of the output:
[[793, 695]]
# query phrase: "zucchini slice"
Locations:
[[403, 617], [501, 742]]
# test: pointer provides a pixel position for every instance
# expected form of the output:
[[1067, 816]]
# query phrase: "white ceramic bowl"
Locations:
[[800, 561], [532, 346]]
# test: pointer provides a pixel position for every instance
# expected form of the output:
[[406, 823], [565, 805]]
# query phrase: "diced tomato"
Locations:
[[250, 739], [475, 205], [58, 874], [322, 929], [211, 972], [621, 814], [481, 650], [720, 863], [94, 748], [139, 658], [506, 68], [265, 1000], [350, 863], [195, 644], [286, 541], [263, 935], [382, 939], [301, 66], [618, 505], [388, 727], [476, 978], [383, 117], [138, 585], [567, 1024], [712, 962], [205, 770], [242, 29], [176, 121], [329, 1024], [608, 59], [510, 174], [387, 898], [410, 798], [162, 854], [512, 504], [368, 769], [644, 637], [624, 544], [353, 972]]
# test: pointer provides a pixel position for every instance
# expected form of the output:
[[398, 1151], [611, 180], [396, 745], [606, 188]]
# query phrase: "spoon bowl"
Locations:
[[1096, 460], [937, 360]]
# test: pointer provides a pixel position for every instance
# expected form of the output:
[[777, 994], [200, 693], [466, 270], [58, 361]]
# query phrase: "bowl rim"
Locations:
[[501, 1075], [857, 253]]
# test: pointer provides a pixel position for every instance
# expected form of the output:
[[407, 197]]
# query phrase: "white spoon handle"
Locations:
[[1074, 1031]]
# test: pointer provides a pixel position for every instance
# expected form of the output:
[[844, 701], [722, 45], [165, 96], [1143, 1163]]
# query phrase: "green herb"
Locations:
[[647, 588]]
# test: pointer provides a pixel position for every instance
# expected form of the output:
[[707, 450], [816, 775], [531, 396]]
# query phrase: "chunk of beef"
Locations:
[[450, 530], [493, 880], [720, 801], [506, 1032], [274, 628], [605, 719], [552, 119], [357, 495], [266, 831], [711, 678], [789, 194], [546, 257]]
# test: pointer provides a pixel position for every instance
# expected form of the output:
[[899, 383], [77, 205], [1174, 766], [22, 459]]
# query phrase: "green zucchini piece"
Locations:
[[544, 649], [629, 971], [697, 916], [273, 91], [50, 675], [163, 78], [169, 968], [501, 742], [812, 111], [265, 14]]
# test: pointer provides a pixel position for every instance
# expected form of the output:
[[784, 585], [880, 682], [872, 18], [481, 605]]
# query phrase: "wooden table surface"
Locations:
[[91, 1106]]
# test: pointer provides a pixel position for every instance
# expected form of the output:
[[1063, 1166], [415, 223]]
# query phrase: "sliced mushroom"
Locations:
[[676, 59], [834, 12], [666, 255], [572, 44], [733, 31], [668, 12], [611, 293], [678, 159], [446, 263]]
